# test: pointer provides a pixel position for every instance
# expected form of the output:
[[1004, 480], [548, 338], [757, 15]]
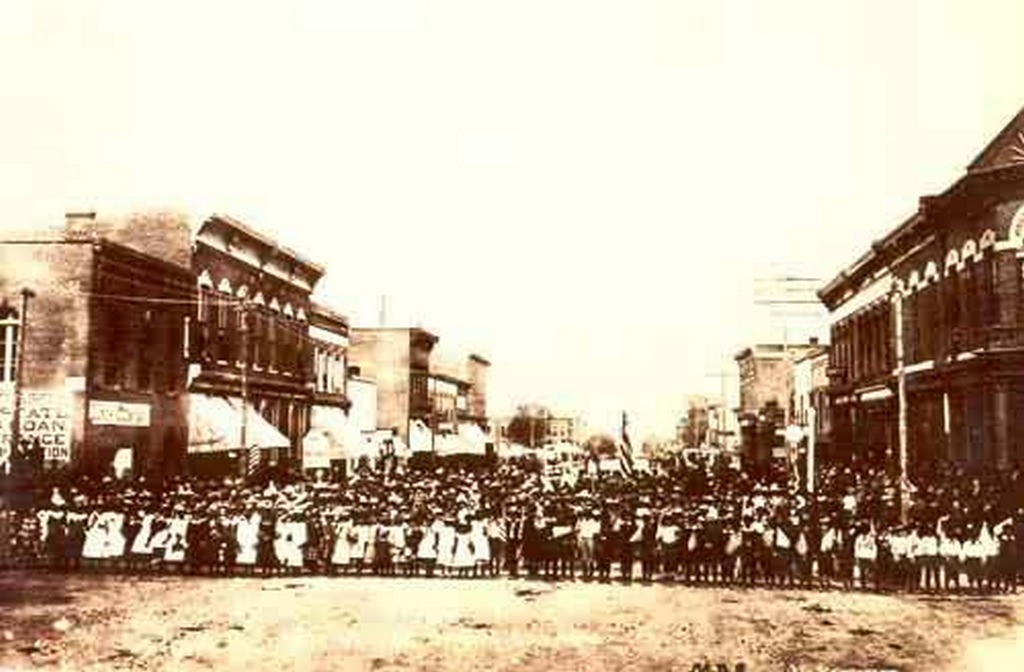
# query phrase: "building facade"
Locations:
[[252, 370], [810, 403], [938, 304], [766, 397], [398, 361], [431, 404], [102, 339], [329, 437]]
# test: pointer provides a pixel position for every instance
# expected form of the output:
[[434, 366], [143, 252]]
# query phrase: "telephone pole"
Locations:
[[243, 327], [26, 294]]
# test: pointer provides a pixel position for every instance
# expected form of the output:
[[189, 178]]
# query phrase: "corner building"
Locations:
[[945, 290]]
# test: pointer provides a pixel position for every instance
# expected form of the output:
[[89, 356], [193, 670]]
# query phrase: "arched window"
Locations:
[[9, 325]]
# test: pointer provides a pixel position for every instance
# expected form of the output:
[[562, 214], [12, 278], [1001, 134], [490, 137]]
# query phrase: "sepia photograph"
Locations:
[[452, 335]]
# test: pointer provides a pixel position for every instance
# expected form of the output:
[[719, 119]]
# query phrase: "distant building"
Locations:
[[766, 378], [432, 404], [567, 429], [810, 403]]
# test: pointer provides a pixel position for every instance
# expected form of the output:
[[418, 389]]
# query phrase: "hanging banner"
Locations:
[[45, 417]]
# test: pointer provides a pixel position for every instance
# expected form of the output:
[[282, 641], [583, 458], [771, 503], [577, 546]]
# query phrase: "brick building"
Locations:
[[104, 370], [398, 361], [330, 436], [249, 349], [944, 290], [810, 403], [766, 389], [431, 404]]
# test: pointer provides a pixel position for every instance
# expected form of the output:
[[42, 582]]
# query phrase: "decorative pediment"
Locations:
[[969, 251], [243, 292], [1007, 149], [288, 310], [258, 299], [988, 239], [205, 280], [224, 286], [274, 305], [301, 315], [952, 259]]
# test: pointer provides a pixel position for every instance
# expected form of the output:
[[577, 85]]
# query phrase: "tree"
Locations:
[[529, 426], [600, 445]]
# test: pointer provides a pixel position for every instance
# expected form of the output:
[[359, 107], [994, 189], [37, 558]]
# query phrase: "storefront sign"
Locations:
[[45, 417], [118, 413]]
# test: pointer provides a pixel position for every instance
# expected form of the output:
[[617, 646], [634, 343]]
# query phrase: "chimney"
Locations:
[[814, 340]]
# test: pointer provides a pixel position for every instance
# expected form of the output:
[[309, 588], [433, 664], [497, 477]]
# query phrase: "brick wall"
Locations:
[[383, 356]]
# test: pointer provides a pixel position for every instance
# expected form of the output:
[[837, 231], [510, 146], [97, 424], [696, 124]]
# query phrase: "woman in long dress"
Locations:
[[247, 537], [463, 558], [426, 550], [481, 545], [446, 548], [865, 552], [344, 538], [95, 539]]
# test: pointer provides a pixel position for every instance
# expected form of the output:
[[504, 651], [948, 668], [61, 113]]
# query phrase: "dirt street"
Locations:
[[108, 622]]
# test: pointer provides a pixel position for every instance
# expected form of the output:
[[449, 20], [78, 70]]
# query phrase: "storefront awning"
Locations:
[[421, 439], [331, 436], [456, 444], [475, 436], [215, 425]]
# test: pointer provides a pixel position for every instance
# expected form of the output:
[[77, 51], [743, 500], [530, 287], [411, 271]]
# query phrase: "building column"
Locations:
[[947, 448], [1000, 420]]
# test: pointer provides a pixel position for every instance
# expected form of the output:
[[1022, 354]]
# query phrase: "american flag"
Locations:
[[625, 450]]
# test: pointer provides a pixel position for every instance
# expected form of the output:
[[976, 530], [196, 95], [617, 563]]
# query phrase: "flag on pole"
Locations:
[[625, 450]]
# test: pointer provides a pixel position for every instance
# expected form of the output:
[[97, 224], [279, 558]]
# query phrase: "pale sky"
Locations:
[[584, 191]]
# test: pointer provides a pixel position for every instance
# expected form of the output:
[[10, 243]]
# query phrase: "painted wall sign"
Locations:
[[119, 413], [45, 417]]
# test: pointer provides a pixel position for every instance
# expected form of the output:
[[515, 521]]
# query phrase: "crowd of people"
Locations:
[[693, 523]]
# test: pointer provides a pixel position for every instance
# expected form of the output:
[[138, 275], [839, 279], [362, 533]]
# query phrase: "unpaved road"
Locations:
[[108, 622]]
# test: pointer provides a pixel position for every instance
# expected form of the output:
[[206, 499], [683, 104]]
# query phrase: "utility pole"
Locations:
[[26, 294], [901, 382], [243, 327]]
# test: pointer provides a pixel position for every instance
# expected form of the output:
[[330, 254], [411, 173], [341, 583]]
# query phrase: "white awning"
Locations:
[[215, 426], [331, 434], [475, 436], [456, 444], [421, 439]]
